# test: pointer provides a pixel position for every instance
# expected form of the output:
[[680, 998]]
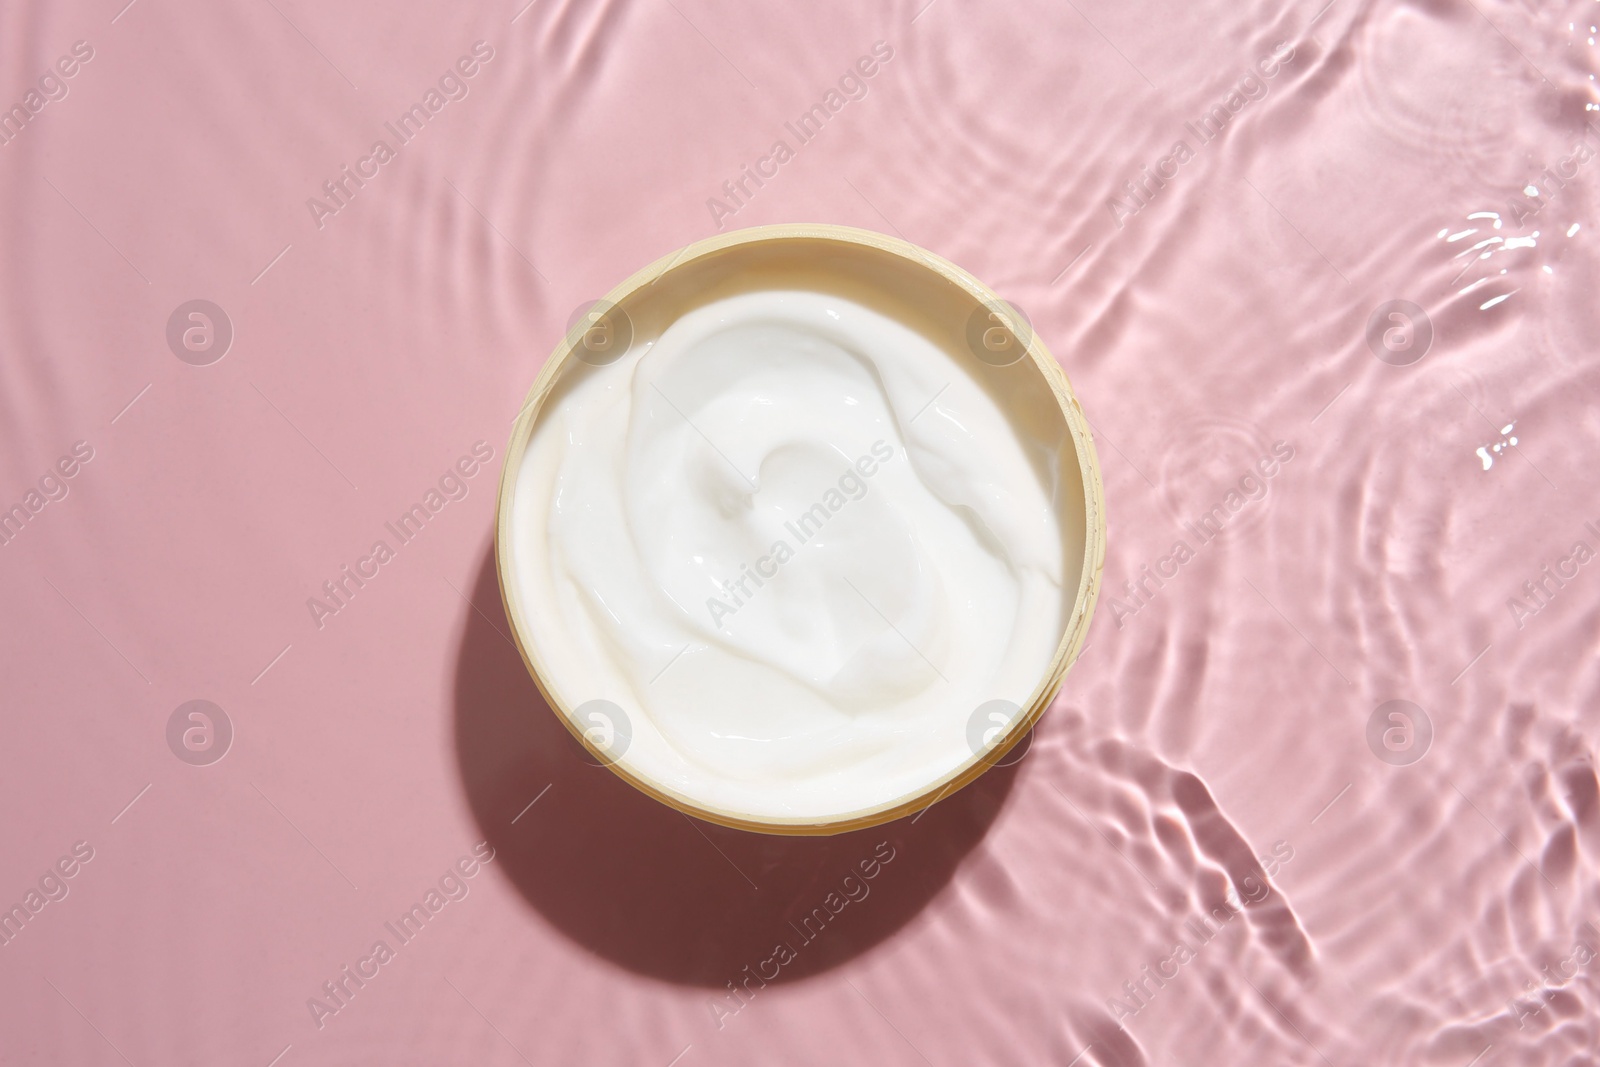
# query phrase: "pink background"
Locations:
[[1209, 719]]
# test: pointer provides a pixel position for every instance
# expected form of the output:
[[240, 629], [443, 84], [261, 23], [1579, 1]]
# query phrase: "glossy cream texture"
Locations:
[[798, 544]]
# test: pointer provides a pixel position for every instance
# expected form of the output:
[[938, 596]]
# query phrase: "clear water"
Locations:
[[1429, 893]]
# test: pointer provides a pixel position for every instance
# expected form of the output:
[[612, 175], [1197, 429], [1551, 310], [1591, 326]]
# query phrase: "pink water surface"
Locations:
[[1438, 905]]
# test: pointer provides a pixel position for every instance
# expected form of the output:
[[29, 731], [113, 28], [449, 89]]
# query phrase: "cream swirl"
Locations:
[[798, 543]]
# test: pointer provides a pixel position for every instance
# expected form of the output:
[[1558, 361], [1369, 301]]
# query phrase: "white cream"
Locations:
[[798, 543]]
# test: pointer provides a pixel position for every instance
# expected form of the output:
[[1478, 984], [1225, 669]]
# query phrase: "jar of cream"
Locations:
[[800, 529]]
